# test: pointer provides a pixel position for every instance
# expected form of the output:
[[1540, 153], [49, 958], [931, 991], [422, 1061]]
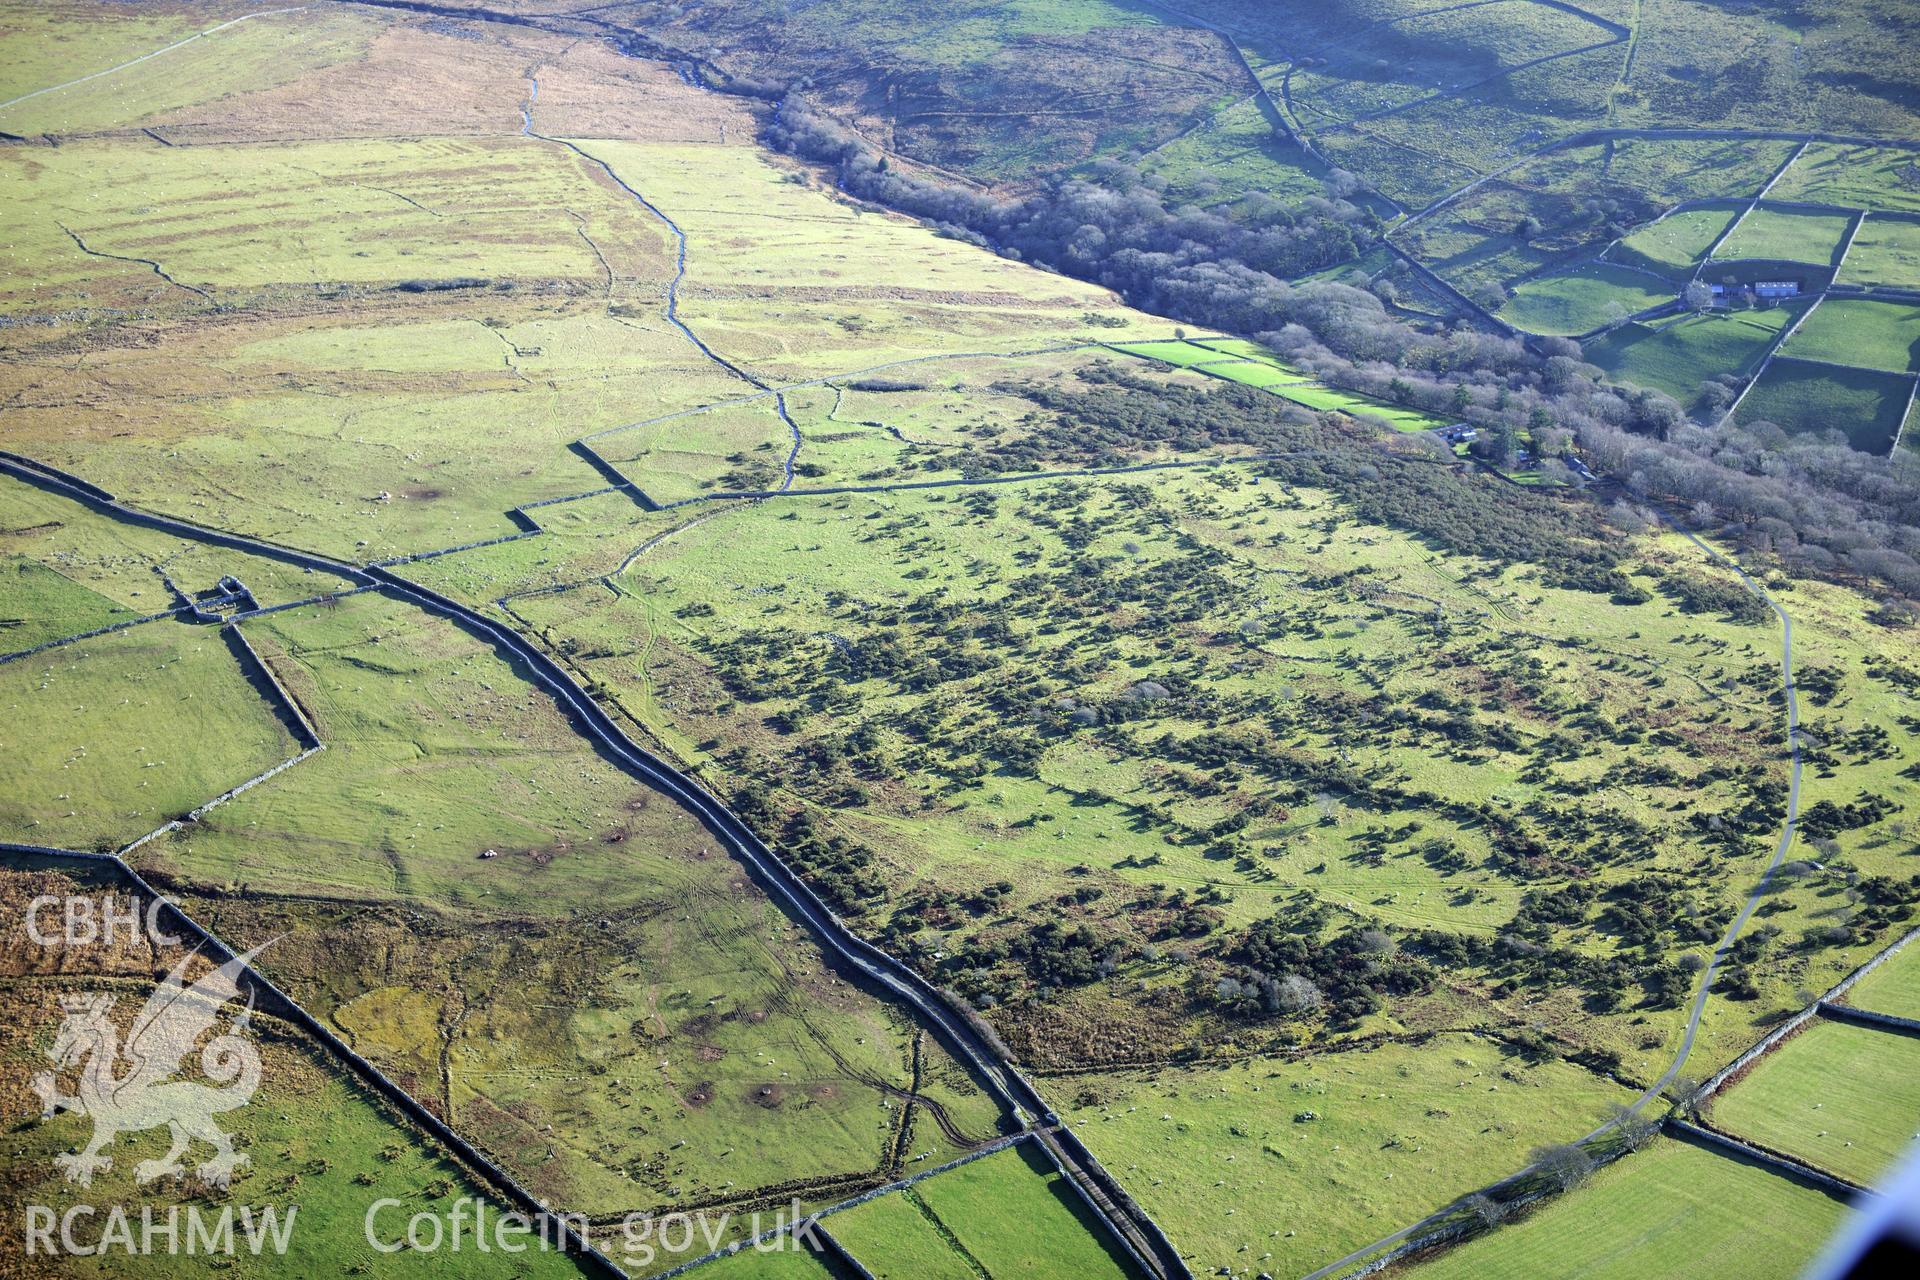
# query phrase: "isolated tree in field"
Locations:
[[1566, 1163]]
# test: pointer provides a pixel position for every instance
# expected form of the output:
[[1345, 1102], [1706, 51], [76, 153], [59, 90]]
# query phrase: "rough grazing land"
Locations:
[[1321, 820]]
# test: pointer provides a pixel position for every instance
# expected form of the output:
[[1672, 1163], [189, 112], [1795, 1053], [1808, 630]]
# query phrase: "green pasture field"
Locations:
[[42, 604], [1862, 177], [1286, 1165], [419, 719], [1677, 356], [1582, 298], [1886, 254], [774, 1264], [52, 44], [895, 1237], [1253, 373], [1865, 406], [1360, 406], [1183, 352], [109, 738], [1262, 369], [1014, 1213], [1240, 347], [1860, 331], [314, 1139], [1844, 1098], [1787, 235], [1892, 988], [1653, 1216], [1676, 242]]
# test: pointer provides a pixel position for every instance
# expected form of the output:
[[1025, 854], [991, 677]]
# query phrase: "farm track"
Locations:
[[1132, 1229]]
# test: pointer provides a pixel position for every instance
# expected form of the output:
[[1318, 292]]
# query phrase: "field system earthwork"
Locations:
[[711, 696]]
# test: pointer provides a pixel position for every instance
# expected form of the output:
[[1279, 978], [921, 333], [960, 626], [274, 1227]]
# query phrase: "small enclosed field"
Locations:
[[1653, 1216], [1238, 360], [1805, 398], [1309, 1159], [1015, 1214], [896, 1237], [1885, 255], [1583, 298], [1863, 177], [1842, 1097], [107, 739], [1861, 331], [1892, 988], [1788, 235], [1676, 242], [1679, 356]]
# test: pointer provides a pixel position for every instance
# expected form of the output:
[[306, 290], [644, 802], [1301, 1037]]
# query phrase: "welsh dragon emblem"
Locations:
[[143, 1096]]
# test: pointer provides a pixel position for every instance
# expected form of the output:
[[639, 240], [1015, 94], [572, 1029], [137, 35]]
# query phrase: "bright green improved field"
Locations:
[[1892, 988], [1806, 399], [1676, 242], [1583, 298], [1842, 1097], [896, 1237], [1788, 235], [1259, 367], [774, 1264], [1886, 254], [1654, 1216], [1015, 1215], [1861, 331]]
